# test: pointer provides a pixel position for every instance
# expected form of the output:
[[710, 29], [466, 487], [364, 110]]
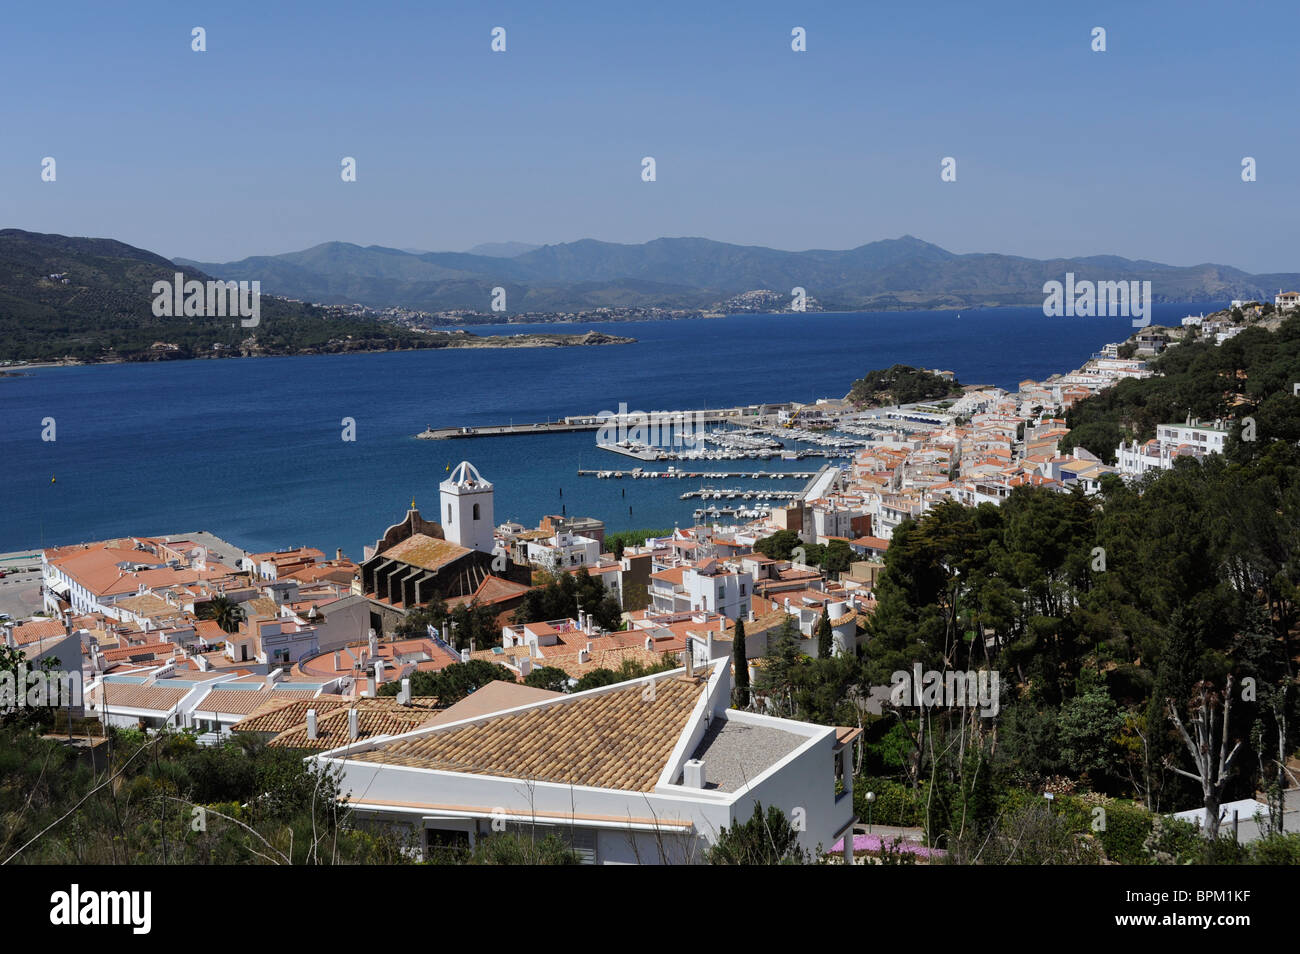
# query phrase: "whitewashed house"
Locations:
[[642, 772]]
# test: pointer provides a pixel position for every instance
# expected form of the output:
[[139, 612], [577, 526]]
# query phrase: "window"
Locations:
[[449, 513], [476, 511]]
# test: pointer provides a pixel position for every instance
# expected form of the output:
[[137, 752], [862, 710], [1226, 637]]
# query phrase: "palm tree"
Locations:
[[225, 611]]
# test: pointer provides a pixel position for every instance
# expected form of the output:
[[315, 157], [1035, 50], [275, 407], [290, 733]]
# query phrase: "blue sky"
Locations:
[[1060, 151]]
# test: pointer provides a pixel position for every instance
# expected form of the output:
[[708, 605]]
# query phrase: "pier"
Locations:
[[639, 474], [710, 493], [746, 415]]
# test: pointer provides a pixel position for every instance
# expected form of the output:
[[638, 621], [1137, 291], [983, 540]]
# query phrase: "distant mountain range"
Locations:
[[89, 299], [696, 273]]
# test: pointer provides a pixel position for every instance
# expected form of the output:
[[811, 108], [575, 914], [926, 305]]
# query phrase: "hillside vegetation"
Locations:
[[1250, 375], [900, 384]]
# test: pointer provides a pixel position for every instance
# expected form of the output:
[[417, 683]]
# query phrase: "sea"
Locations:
[[253, 449]]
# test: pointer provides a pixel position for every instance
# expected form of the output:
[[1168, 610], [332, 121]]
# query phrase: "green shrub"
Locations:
[[896, 803], [1276, 850]]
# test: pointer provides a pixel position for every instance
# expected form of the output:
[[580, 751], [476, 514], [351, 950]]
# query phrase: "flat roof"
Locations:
[[736, 753]]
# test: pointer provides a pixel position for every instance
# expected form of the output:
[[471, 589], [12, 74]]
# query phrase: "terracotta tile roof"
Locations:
[[493, 697], [37, 629], [425, 551], [380, 716], [280, 715], [95, 566], [148, 604], [134, 696], [606, 739], [673, 575], [495, 590], [233, 701], [143, 651]]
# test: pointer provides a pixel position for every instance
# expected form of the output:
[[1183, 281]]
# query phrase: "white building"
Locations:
[[642, 772], [466, 510], [1172, 441], [833, 522], [710, 587], [564, 551]]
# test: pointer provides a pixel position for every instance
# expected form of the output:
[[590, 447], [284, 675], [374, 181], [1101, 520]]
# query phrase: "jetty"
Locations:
[[746, 415], [673, 474]]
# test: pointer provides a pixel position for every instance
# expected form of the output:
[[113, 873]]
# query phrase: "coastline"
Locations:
[[464, 340]]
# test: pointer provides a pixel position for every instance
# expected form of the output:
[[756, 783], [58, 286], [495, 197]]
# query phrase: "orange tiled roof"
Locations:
[[280, 715], [379, 716], [233, 701], [612, 739], [37, 629], [425, 551], [135, 696]]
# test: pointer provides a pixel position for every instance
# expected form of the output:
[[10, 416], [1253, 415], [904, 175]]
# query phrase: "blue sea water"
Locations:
[[252, 449]]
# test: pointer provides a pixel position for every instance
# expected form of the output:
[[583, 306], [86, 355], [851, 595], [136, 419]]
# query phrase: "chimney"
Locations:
[[373, 643], [338, 554], [584, 655], [311, 724], [693, 774], [338, 660], [525, 666], [464, 655], [690, 659], [352, 723], [649, 644], [404, 697], [708, 646], [379, 673]]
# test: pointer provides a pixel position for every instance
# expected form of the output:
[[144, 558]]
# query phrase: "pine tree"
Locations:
[[782, 665], [741, 664], [825, 638]]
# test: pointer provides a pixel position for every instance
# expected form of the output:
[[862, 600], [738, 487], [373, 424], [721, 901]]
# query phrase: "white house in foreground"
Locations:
[[647, 771]]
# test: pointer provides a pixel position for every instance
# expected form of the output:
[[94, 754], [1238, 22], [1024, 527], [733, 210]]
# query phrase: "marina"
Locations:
[[673, 474], [710, 493]]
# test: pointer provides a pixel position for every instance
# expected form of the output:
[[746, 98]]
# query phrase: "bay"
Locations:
[[252, 449]]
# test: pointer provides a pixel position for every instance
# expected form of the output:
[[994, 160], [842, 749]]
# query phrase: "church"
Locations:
[[418, 559]]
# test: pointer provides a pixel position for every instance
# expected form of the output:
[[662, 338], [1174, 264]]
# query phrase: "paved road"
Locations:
[[20, 594]]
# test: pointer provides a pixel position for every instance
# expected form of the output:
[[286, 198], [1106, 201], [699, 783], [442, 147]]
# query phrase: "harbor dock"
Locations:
[[745, 415]]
